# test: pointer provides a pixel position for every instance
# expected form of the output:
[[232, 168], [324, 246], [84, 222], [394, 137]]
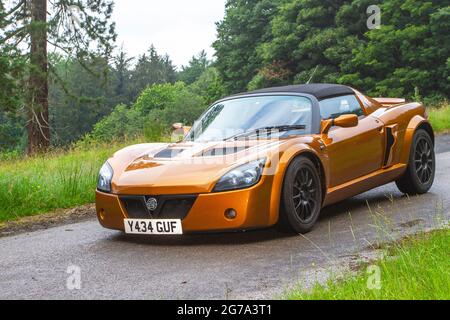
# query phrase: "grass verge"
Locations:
[[416, 268], [440, 118], [56, 180]]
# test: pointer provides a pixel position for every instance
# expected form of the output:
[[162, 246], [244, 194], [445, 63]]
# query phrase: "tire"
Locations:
[[419, 175], [301, 197]]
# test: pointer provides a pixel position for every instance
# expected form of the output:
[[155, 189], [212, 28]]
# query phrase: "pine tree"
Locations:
[[246, 25], [197, 65], [151, 68], [122, 65], [72, 27]]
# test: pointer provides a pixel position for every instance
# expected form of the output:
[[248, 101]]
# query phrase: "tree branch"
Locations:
[[13, 34], [19, 4]]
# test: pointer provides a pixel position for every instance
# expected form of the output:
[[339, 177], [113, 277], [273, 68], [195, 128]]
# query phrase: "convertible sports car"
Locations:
[[275, 156]]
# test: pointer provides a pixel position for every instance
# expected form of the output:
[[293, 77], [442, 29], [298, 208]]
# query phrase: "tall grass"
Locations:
[[440, 117], [417, 268], [44, 183]]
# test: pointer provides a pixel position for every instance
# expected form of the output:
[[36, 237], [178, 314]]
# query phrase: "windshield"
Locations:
[[230, 118]]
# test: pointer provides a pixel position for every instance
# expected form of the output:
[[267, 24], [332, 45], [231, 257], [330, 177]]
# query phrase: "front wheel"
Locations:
[[419, 175], [301, 199]]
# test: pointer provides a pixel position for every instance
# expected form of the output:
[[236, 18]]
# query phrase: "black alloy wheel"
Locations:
[[301, 198]]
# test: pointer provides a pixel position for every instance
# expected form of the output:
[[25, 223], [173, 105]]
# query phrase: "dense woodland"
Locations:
[[57, 88]]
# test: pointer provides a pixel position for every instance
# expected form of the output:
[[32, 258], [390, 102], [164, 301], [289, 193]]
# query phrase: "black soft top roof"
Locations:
[[319, 90]]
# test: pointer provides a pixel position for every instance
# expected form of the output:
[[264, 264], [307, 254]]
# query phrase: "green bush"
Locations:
[[209, 86], [122, 122], [156, 108]]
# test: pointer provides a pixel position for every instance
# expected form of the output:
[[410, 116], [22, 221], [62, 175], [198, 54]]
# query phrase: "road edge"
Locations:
[[47, 220]]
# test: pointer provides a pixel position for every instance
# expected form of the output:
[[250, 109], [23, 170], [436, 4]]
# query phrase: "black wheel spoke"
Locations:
[[302, 211], [419, 147], [305, 194], [423, 160], [307, 210]]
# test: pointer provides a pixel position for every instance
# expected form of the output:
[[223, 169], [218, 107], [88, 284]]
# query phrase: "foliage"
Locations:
[[151, 68], [11, 131], [262, 43], [12, 68], [409, 51], [440, 117], [80, 29], [417, 268], [196, 67], [86, 93], [79, 97], [155, 110], [52, 181], [209, 86], [122, 77], [246, 25]]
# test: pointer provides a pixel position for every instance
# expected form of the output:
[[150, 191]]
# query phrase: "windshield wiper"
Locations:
[[267, 129]]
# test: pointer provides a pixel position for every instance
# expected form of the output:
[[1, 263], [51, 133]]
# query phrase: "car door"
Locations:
[[353, 152]]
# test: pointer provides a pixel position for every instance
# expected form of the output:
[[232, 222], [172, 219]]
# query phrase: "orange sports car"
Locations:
[[275, 156]]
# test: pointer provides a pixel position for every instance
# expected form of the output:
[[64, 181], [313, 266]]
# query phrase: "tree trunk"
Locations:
[[38, 118]]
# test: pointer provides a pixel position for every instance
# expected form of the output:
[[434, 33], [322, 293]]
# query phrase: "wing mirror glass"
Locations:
[[344, 121]]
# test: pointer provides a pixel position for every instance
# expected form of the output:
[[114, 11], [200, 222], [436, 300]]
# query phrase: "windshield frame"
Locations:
[[315, 111]]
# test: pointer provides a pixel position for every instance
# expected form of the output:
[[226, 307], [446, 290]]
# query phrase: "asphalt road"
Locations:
[[259, 264]]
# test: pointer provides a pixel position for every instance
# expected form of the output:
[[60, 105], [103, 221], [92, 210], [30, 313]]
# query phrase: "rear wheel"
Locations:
[[419, 175], [301, 198]]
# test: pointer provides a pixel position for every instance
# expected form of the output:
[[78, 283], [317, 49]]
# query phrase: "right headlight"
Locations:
[[241, 177], [105, 178]]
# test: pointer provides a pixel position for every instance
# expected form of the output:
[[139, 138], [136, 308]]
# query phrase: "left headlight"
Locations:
[[105, 177], [241, 177]]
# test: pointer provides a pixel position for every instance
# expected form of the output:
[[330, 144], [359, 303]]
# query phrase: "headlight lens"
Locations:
[[105, 177], [241, 177]]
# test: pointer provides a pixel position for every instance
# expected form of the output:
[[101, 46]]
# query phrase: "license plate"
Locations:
[[153, 226]]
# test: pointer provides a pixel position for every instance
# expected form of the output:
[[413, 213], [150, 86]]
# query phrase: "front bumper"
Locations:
[[252, 205]]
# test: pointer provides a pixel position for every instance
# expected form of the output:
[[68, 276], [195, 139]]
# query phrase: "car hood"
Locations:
[[182, 168]]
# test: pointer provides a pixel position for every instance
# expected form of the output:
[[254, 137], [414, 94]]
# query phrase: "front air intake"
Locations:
[[165, 207]]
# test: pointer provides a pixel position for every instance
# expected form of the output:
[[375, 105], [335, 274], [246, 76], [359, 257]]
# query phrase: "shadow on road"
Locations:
[[360, 203], [205, 239]]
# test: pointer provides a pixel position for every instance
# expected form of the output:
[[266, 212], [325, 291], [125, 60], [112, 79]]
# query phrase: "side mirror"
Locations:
[[344, 121]]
